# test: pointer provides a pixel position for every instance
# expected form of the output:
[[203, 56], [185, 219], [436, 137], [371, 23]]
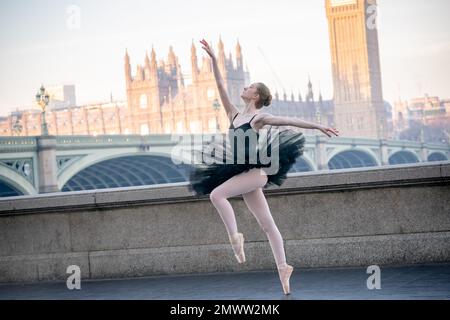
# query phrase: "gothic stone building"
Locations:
[[159, 101]]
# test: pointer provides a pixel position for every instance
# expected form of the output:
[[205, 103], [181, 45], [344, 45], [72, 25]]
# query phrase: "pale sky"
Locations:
[[37, 46]]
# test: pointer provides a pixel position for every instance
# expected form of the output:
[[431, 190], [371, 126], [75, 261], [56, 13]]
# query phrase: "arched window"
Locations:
[[195, 126], [212, 124], [180, 127], [143, 101], [211, 93], [144, 129]]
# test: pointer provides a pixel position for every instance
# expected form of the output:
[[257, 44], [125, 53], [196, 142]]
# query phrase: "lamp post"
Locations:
[[318, 116], [42, 99], [216, 106], [422, 134], [447, 134]]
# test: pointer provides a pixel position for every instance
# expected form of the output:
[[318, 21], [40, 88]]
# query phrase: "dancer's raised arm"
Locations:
[[270, 119], [229, 107]]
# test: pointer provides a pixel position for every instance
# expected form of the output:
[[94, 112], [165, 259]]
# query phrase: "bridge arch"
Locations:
[[437, 156], [127, 170], [13, 184], [352, 158], [303, 164], [403, 157]]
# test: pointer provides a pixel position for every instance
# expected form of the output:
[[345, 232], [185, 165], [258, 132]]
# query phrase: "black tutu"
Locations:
[[281, 148]]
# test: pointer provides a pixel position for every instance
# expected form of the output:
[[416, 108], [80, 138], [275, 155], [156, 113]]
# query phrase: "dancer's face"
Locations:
[[250, 93]]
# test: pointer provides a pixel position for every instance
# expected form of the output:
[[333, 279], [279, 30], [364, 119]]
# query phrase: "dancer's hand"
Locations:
[[208, 49], [326, 130]]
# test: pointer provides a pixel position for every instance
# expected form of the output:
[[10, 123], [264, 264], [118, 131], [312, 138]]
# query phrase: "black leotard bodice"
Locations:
[[247, 123], [250, 144], [204, 178]]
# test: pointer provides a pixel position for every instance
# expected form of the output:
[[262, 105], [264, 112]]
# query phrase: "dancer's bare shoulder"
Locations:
[[232, 113], [260, 122]]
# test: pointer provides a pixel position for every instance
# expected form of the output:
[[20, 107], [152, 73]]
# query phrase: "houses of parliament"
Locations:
[[160, 101]]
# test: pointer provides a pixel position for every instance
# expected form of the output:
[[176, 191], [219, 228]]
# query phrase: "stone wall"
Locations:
[[384, 216]]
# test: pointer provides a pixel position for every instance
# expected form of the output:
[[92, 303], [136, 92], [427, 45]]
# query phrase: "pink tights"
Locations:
[[249, 184]]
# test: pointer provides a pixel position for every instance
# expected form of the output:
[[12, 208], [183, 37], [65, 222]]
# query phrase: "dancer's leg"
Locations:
[[236, 185], [257, 204]]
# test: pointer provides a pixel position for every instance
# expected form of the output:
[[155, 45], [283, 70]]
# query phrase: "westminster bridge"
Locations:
[[43, 164]]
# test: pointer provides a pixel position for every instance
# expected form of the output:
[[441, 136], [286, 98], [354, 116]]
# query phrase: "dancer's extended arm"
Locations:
[[229, 107], [268, 119]]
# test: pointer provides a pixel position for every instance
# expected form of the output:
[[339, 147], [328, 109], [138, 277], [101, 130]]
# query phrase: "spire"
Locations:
[[238, 48], [194, 64], [180, 81], [310, 95], [230, 61], [239, 60], [320, 97], [127, 68], [284, 96], [221, 56], [300, 99], [277, 96], [193, 50], [153, 54], [147, 60], [221, 47], [127, 57], [292, 96], [319, 107], [172, 58]]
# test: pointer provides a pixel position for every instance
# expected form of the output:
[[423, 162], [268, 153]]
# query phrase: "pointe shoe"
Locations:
[[285, 274], [237, 242]]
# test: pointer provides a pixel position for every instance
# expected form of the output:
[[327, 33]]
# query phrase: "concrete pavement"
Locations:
[[431, 281]]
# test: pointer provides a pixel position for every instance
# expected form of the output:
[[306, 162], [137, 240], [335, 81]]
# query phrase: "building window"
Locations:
[[143, 101], [180, 127], [211, 93], [349, 120], [195, 126], [212, 124], [360, 122], [144, 129]]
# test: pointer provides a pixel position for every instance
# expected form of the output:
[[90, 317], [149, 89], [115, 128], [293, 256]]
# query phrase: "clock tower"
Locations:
[[358, 96]]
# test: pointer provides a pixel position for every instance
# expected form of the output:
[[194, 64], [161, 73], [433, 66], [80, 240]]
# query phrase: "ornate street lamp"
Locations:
[[422, 126], [447, 134], [381, 129], [318, 116], [42, 99], [216, 106]]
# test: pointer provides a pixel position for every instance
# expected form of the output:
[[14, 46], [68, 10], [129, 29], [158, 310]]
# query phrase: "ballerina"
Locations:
[[223, 180]]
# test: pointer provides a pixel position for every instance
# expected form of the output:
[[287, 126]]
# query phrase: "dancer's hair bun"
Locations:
[[268, 100]]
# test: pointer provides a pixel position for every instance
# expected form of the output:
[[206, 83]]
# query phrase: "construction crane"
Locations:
[[277, 79]]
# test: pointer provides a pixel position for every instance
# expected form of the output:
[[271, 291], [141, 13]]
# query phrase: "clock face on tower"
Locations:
[[337, 3]]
